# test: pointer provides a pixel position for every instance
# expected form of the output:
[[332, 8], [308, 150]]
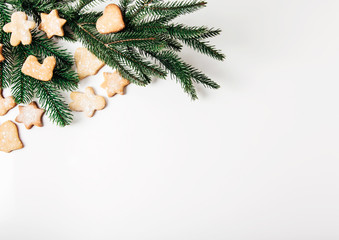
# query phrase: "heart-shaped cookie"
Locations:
[[111, 21], [9, 137]]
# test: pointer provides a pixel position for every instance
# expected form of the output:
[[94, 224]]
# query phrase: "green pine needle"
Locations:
[[24, 88], [148, 47]]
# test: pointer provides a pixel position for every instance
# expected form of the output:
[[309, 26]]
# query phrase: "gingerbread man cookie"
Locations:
[[87, 102], [42, 72], [2, 58], [111, 21], [52, 24], [114, 83], [87, 63], [6, 104], [20, 29], [9, 137], [30, 115]]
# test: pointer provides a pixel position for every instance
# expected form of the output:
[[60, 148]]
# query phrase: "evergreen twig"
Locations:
[[148, 46], [25, 88]]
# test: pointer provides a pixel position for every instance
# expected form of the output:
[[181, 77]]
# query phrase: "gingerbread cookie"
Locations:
[[6, 104], [52, 24], [87, 63], [2, 58], [30, 115], [9, 137], [111, 21], [20, 29], [87, 102], [114, 83], [42, 72]]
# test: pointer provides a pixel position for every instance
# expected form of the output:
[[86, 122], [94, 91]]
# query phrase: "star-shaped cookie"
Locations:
[[2, 58], [30, 115], [87, 63], [114, 83], [87, 102], [52, 24], [9, 137], [6, 104], [20, 29]]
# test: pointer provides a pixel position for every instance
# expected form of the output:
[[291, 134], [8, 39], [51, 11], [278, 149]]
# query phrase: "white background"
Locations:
[[256, 160]]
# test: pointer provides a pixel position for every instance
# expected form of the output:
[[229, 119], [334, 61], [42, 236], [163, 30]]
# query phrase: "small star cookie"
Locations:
[[2, 58], [20, 29], [111, 21], [114, 83], [87, 63], [6, 104], [42, 72], [52, 24], [9, 137], [30, 115], [87, 102]]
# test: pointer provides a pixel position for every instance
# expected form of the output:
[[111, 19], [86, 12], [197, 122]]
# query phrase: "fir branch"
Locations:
[[139, 6], [84, 5], [199, 77], [25, 88], [22, 85], [41, 46], [114, 57], [178, 69], [176, 8], [210, 33], [7, 64], [33, 7], [204, 48], [161, 9], [181, 31], [186, 73], [124, 4], [64, 79], [4, 15], [148, 46], [51, 100], [6, 67]]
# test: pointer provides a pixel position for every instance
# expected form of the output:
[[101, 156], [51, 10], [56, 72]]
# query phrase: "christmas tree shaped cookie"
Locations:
[[87, 63]]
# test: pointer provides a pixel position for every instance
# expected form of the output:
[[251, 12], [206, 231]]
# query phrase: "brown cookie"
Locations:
[[42, 72], [9, 137], [20, 29], [114, 83], [111, 21], [2, 58], [52, 24], [30, 115], [87, 63], [87, 102], [6, 104]]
